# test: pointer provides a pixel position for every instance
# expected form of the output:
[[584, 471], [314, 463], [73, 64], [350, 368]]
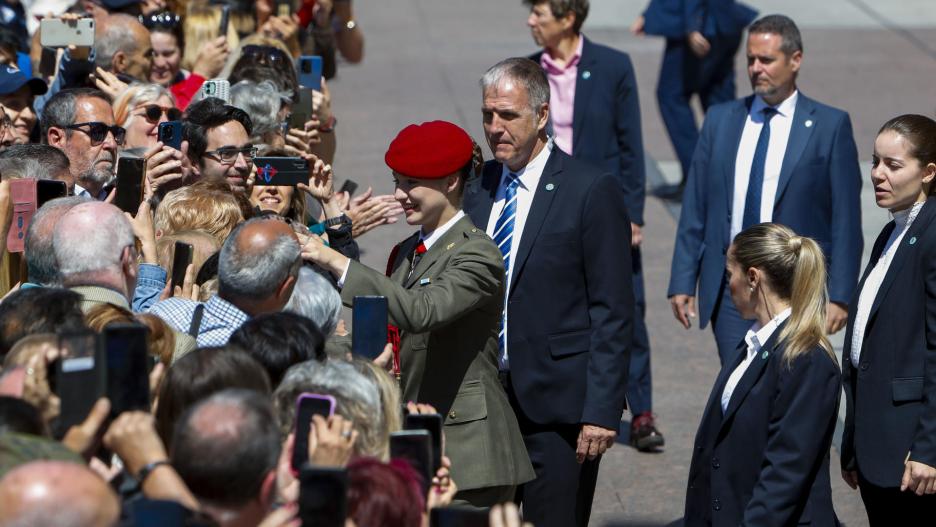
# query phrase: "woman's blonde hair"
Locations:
[[202, 206], [136, 94], [202, 23], [795, 270]]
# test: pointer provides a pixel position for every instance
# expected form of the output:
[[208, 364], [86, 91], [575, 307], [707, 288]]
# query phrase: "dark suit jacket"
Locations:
[[678, 18], [766, 461], [818, 195], [891, 393], [606, 121], [571, 303]]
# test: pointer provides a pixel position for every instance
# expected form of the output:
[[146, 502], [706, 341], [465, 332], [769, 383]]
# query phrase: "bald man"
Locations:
[[122, 46], [56, 494], [257, 270]]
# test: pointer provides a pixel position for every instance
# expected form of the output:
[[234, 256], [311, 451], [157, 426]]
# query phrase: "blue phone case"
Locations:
[[170, 133], [310, 72]]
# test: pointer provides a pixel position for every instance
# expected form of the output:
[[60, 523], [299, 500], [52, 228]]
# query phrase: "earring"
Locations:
[[752, 288]]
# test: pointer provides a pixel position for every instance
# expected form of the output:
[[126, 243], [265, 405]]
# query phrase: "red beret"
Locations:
[[430, 150]]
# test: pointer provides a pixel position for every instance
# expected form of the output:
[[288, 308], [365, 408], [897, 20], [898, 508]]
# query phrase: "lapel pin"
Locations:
[[550, 186], [586, 74], [449, 246], [912, 240], [425, 281], [764, 354], [808, 123]]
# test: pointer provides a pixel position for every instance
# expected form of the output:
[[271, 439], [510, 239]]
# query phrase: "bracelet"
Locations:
[[148, 469], [329, 126]]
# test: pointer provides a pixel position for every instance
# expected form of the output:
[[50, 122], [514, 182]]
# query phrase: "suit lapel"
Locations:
[[448, 241], [799, 138], [404, 258], [713, 407], [907, 250], [542, 201], [753, 373], [853, 305], [483, 191], [583, 90]]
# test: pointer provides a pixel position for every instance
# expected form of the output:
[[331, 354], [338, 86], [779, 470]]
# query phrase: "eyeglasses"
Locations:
[[264, 53], [153, 112], [97, 131], [165, 19], [228, 155]]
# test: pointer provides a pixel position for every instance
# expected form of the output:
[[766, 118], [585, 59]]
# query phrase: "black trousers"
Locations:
[[888, 506], [562, 493]]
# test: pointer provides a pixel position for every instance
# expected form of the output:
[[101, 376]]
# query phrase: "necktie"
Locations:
[[503, 237], [752, 202], [417, 256]]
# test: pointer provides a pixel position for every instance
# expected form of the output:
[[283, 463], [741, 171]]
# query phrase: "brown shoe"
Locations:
[[643, 435]]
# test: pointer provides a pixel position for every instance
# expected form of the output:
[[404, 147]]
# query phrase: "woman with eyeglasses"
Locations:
[[140, 109]]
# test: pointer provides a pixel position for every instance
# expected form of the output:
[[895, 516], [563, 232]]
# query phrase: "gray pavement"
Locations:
[[874, 58]]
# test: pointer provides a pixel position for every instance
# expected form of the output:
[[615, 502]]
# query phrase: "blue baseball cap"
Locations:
[[12, 79]]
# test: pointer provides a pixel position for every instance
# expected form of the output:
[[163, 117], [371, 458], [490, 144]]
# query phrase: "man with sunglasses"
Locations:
[[219, 142], [80, 122]]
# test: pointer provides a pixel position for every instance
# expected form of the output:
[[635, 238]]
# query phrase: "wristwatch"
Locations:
[[337, 220], [148, 469]]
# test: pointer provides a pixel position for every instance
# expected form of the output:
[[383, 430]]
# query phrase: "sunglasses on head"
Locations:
[[153, 112], [265, 53], [98, 131], [165, 19]]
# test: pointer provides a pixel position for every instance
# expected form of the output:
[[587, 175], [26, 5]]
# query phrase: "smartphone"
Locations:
[[170, 133], [348, 186], [181, 259], [284, 7], [48, 61], [307, 405], [130, 183], [80, 377], [301, 112], [431, 423], [225, 20], [323, 496], [27, 195], [58, 33], [49, 189], [281, 171], [127, 368], [309, 69], [219, 88], [369, 326], [415, 446], [458, 517]]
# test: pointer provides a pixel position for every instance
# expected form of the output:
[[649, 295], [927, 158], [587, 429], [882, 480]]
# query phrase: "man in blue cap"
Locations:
[[17, 92]]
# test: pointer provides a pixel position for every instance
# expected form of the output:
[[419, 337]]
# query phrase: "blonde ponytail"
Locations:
[[796, 271]]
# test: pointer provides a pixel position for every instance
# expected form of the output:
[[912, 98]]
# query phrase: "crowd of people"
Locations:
[[515, 312]]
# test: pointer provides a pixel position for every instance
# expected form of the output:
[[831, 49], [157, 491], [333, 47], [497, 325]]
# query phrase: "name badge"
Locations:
[[425, 281]]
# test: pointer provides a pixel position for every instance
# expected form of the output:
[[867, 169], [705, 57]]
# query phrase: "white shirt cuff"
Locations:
[[344, 274]]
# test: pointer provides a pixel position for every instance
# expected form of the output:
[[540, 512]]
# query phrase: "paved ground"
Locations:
[[874, 58]]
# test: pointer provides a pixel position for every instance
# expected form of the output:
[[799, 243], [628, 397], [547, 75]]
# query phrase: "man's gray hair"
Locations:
[[256, 274], [21, 168], [528, 74], [61, 108], [86, 245], [116, 35], [262, 102], [33, 161], [315, 298], [41, 266]]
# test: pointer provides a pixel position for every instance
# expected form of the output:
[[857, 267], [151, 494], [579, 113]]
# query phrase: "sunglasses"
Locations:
[[98, 131], [228, 155], [153, 112], [262, 53], [165, 19]]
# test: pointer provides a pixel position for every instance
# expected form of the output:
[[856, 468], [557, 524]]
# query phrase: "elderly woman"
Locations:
[[140, 109], [761, 454], [889, 441]]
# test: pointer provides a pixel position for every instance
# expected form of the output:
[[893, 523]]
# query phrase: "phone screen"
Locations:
[[281, 171], [49, 189], [301, 111], [348, 186], [369, 326], [127, 368], [129, 184], [80, 377], [415, 446], [323, 496], [431, 423], [307, 405], [181, 259]]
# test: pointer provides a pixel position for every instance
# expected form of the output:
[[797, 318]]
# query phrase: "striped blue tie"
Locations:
[[503, 237]]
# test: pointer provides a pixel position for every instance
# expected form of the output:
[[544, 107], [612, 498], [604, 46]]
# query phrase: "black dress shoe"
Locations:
[[644, 436]]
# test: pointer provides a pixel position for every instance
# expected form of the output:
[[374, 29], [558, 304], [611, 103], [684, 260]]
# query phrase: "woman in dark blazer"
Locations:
[[889, 366], [761, 455]]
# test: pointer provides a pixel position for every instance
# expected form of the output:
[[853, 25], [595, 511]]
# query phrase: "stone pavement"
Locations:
[[874, 58]]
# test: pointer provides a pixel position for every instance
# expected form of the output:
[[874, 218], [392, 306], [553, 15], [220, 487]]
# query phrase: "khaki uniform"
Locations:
[[449, 313]]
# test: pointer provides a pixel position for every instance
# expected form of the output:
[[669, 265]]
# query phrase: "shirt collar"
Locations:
[[905, 217], [438, 233], [785, 108], [757, 335], [553, 68], [226, 311], [530, 174], [83, 192]]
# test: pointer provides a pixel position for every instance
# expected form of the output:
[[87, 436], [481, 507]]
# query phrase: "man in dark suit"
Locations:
[[595, 115], [702, 38], [562, 228], [774, 156]]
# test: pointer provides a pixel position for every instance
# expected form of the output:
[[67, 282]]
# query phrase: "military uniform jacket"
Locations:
[[449, 312]]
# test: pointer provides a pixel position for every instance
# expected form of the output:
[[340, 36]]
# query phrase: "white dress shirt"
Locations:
[[780, 126], [84, 193], [755, 339], [529, 179], [872, 283]]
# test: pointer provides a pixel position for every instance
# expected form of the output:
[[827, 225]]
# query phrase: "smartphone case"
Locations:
[[57, 33], [24, 195], [281, 171]]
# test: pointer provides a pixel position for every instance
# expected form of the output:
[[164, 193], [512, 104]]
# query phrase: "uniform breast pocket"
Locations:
[[470, 405]]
